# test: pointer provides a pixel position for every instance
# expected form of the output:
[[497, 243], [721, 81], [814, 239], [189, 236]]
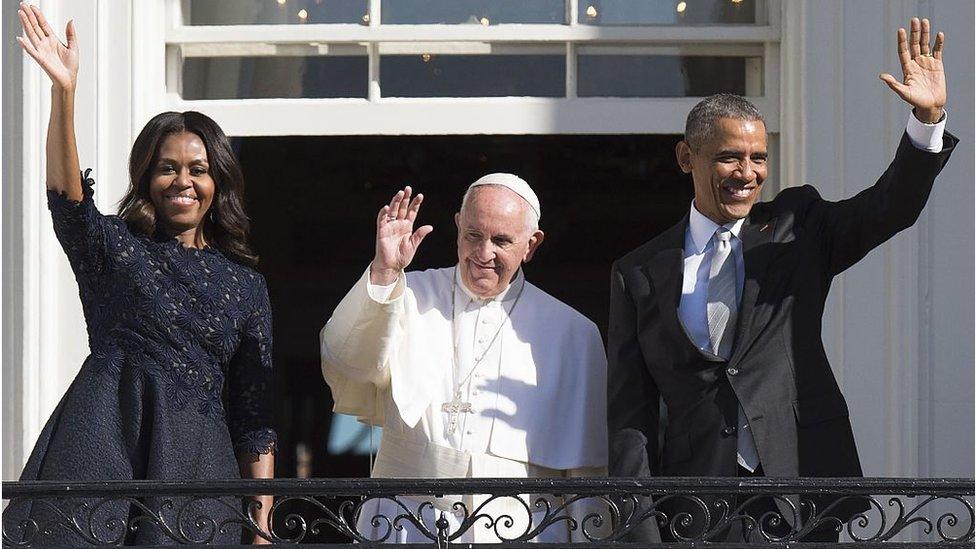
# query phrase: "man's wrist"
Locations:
[[929, 116], [382, 276]]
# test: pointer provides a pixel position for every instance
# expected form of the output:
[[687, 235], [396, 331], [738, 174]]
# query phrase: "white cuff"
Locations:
[[927, 137], [381, 294]]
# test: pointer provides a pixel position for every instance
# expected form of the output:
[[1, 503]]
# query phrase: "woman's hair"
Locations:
[[226, 224]]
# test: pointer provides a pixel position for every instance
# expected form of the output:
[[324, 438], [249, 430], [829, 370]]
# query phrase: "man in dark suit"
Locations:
[[719, 317]]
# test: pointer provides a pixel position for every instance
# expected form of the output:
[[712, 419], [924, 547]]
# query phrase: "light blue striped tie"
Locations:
[[721, 306]]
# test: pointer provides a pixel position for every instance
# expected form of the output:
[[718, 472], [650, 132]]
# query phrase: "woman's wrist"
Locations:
[[63, 92]]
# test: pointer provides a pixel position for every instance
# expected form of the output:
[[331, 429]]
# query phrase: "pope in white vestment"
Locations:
[[525, 372]]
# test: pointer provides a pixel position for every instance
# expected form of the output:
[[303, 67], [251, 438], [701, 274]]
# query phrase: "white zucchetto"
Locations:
[[515, 184]]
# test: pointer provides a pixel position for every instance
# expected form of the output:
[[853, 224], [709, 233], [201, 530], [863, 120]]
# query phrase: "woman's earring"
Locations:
[[213, 215]]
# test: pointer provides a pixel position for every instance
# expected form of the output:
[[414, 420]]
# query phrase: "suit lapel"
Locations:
[[664, 269], [754, 235]]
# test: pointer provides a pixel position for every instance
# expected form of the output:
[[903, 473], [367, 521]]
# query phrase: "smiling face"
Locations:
[[494, 239], [181, 187], [728, 170]]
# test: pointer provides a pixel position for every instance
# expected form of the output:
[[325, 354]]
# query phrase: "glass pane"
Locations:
[[266, 77], [349, 436], [667, 76], [430, 75], [670, 12], [475, 12], [275, 12]]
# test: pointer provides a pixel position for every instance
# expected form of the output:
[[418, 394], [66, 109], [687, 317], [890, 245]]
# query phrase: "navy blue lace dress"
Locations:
[[178, 380]]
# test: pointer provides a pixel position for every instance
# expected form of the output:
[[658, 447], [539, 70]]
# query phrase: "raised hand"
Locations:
[[58, 60], [396, 240], [924, 85]]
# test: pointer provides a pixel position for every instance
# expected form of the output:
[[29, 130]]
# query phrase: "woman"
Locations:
[[176, 317]]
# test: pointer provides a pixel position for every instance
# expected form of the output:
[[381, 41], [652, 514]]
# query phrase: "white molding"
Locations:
[[455, 116], [35, 102], [148, 59], [343, 33], [791, 96]]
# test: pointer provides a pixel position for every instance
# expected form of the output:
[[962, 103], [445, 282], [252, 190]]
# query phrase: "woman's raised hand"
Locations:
[[58, 60], [396, 241]]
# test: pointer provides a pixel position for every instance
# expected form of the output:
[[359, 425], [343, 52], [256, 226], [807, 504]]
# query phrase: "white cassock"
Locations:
[[538, 395]]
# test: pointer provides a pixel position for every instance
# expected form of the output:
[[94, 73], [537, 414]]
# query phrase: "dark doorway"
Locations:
[[313, 203]]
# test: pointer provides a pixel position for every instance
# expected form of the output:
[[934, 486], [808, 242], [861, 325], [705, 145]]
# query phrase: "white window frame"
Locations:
[[377, 115]]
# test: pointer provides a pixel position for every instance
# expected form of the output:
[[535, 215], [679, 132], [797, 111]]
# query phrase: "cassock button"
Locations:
[[469, 432], [732, 371], [728, 431]]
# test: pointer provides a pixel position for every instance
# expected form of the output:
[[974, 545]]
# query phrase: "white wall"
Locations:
[[899, 326]]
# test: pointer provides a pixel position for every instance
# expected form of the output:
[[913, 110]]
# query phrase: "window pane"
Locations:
[[667, 76], [349, 436], [476, 12], [473, 75], [670, 12], [275, 12], [266, 77]]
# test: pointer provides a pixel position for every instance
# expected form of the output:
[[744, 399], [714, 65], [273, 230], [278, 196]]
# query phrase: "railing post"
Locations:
[[443, 532]]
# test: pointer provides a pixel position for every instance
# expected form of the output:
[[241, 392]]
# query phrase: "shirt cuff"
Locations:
[[381, 294], [927, 137]]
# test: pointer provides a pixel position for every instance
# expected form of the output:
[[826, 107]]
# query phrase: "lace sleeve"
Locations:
[[84, 233], [250, 390]]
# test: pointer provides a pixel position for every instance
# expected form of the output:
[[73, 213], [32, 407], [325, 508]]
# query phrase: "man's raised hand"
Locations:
[[924, 85], [59, 61], [396, 240]]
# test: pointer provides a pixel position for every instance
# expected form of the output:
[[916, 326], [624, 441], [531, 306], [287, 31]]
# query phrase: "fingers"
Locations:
[[29, 32], [939, 42], [70, 35], [419, 235], [382, 216], [32, 17], [401, 213], [914, 41], [414, 207], [27, 46], [903, 56], [895, 85], [394, 206], [401, 207], [41, 21], [924, 42]]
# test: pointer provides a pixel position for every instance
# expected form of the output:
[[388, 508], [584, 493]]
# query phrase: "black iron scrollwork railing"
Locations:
[[599, 512]]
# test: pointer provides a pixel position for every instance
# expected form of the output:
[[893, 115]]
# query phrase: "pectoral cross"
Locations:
[[455, 407]]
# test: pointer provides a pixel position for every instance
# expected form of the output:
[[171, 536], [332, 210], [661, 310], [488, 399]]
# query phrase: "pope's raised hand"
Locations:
[[396, 239], [924, 84], [59, 61]]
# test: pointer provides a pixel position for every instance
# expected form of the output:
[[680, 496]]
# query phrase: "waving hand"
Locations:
[[396, 240], [924, 83], [59, 61]]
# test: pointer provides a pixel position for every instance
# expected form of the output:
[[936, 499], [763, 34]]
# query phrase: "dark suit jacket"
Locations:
[[792, 246]]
